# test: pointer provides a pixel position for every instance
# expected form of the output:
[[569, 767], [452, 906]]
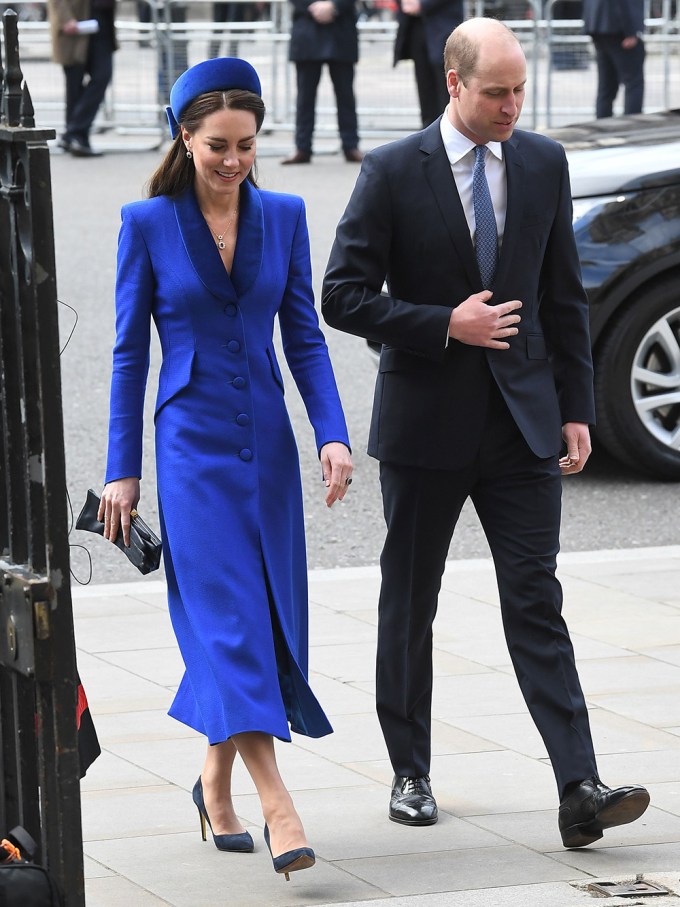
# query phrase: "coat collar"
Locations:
[[203, 253]]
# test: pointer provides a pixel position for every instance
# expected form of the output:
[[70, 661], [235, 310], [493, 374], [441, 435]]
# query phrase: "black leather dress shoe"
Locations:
[[298, 157], [353, 155], [593, 806], [78, 148], [412, 802]]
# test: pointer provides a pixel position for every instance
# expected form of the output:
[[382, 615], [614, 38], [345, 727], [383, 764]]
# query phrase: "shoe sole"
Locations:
[[627, 810], [304, 861], [412, 822]]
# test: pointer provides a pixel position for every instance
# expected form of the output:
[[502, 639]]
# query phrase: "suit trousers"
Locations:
[[86, 83], [517, 497], [617, 66], [342, 77]]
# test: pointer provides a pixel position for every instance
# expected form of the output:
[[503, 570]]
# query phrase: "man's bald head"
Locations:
[[464, 43]]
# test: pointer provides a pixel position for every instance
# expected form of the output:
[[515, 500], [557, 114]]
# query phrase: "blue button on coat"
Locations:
[[227, 464]]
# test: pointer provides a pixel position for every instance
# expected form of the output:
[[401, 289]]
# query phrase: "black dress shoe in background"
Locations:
[[353, 155], [412, 802], [593, 806], [78, 148], [298, 157], [64, 143]]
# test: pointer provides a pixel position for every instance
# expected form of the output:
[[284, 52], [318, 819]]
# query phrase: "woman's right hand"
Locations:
[[118, 499]]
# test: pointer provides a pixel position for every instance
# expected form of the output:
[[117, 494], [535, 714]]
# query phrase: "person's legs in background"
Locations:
[[74, 77], [631, 69], [607, 75], [83, 98], [342, 77], [308, 76]]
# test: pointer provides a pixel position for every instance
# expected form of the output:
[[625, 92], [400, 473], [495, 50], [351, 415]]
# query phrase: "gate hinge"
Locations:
[[24, 616]]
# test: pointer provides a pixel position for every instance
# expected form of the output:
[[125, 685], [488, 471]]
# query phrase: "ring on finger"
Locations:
[[348, 480]]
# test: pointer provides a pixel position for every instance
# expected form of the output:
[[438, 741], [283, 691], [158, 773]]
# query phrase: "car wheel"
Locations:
[[637, 383]]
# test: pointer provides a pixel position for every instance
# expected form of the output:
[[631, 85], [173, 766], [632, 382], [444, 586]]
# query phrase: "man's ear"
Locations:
[[453, 83]]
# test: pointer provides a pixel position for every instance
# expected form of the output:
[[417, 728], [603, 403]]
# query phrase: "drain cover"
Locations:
[[627, 889]]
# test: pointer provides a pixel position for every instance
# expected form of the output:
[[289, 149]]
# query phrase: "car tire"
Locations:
[[643, 341]]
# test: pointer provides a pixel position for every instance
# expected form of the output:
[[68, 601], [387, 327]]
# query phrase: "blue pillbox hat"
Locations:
[[220, 74]]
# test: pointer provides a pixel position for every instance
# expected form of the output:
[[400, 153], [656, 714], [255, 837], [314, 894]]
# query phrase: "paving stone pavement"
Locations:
[[496, 843]]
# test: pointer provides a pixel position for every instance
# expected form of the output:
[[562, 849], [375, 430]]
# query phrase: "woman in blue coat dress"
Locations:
[[213, 260]]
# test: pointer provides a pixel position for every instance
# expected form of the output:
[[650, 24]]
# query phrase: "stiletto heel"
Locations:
[[240, 843], [292, 860]]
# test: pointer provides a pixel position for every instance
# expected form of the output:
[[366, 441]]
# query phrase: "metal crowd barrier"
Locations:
[[159, 38]]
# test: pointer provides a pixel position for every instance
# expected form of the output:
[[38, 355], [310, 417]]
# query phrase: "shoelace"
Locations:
[[416, 786]]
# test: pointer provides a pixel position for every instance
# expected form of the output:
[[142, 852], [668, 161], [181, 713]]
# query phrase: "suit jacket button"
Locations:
[[233, 346], [243, 419], [239, 383], [246, 454], [230, 310]]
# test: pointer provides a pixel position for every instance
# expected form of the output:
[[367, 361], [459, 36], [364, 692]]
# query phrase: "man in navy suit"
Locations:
[[616, 28], [480, 382], [324, 32]]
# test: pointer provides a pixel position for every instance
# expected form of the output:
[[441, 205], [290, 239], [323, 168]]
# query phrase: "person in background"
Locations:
[[223, 11], [422, 29], [215, 261], [485, 372], [87, 60], [324, 32], [616, 27]]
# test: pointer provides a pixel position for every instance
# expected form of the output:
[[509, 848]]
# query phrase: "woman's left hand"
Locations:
[[336, 463]]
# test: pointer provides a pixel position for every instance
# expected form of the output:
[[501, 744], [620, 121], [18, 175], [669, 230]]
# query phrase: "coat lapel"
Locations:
[[203, 253], [437, 171], [250, 242]]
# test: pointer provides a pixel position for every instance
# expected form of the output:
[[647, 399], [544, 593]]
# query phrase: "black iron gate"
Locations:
[[39, 786]]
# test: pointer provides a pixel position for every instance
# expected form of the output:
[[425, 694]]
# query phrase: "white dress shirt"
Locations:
[[461, 154]]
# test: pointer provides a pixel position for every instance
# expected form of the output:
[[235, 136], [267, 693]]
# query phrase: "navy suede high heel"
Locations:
[[292, 860], [240, 843]]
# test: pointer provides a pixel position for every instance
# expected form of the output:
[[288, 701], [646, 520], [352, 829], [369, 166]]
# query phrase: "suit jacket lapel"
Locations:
[[437, 171], [514, 171], [202, 250]]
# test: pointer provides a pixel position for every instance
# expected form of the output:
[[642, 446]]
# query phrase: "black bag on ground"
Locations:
[[22, 883]]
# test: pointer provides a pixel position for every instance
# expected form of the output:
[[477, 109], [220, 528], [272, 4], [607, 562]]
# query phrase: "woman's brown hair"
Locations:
[[176, 172]]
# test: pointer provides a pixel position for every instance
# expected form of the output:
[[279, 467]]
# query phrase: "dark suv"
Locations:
[[625, 177]]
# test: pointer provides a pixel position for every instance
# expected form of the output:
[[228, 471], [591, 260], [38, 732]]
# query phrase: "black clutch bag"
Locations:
[[145, 547]]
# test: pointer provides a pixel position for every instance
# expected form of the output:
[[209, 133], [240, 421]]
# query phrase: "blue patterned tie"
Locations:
[[486, 235]]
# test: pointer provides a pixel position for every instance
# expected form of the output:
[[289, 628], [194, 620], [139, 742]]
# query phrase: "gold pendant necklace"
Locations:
[[219, 236]]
